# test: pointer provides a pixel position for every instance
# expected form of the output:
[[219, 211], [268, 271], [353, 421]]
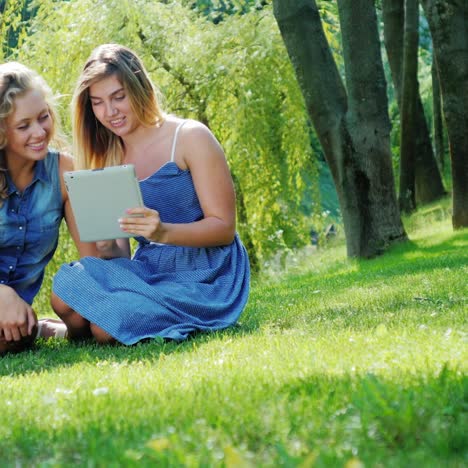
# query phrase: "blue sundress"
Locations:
[[164, 290]]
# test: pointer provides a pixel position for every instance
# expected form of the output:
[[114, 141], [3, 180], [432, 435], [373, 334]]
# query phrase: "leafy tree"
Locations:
[[234, 76]]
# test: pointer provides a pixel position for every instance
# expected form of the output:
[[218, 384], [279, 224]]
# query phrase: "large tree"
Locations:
[[420, 178], [448, 22], [352, 124]]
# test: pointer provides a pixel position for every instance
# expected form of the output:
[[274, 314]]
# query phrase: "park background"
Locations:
[[343, 357]]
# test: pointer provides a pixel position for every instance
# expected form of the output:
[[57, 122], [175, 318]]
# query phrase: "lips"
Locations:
[[38, 146], [116, 123]]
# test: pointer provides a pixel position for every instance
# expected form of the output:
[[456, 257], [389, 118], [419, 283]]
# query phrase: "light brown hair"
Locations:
[[94, 145]]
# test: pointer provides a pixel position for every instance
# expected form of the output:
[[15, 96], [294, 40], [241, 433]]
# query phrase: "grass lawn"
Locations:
[[336, 362]]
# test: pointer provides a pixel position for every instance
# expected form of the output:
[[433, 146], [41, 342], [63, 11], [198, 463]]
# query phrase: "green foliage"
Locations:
[[235, 77], [217, 10], [13, 17], [337, 363]]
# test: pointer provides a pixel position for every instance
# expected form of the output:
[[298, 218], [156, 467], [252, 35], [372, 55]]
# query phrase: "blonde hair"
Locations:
[[15, 81], [95, 146]]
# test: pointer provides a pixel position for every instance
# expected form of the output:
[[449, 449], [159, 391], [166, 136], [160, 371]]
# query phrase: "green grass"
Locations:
[[336, 362]]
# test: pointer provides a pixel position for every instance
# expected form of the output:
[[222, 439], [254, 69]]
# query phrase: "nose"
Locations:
[[110, 109], [38, 130]]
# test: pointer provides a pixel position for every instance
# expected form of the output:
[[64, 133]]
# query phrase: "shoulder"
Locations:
[[66, 162], [195, 135], [194, 128]]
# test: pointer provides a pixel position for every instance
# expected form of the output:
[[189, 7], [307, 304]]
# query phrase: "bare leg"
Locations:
[[101, 336], [78, 327]]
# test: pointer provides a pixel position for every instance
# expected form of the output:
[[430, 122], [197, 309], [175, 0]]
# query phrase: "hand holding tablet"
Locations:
[[100, 197]]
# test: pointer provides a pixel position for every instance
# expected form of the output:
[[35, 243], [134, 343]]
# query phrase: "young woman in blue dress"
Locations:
[[190, 271], [33, 202]]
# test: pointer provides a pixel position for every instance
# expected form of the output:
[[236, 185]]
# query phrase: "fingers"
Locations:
[[17, 317], [32, 320], [12, 333], [7, 334], [142, 221]]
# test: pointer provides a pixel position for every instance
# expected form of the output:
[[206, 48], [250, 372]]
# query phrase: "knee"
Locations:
[[60, 308], [100, 335]]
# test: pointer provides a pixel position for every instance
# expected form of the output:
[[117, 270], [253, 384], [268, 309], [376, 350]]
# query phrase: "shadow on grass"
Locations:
[[402, 260], [52, 354]]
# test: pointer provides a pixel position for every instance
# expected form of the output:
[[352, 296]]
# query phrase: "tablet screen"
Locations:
[[99, 197]]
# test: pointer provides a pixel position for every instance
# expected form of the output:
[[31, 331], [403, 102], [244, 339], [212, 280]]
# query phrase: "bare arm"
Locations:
[[199, 151]]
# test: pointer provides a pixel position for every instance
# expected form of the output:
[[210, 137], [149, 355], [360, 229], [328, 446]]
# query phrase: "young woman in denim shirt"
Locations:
[[33, 201]]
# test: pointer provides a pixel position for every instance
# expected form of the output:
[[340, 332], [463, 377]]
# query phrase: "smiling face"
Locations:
[[111, 106], [28, 128]]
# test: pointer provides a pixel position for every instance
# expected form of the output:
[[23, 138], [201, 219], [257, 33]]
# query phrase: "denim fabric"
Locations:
[[29, 228]]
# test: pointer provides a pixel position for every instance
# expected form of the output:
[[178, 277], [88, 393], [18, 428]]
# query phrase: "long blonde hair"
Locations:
[[94, 145], [15, 81]]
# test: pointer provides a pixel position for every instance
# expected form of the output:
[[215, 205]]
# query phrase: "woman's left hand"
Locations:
[[143, 222]]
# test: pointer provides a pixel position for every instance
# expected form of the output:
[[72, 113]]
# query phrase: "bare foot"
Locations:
[[51, 328]]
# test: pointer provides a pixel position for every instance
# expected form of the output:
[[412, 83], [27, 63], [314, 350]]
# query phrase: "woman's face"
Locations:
[[111, 106], [28, 128]]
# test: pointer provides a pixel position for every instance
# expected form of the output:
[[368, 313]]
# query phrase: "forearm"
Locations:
[[208, 232]]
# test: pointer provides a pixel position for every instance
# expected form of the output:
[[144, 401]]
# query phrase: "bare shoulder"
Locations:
[[67, 162], [195, 129], [196, 138]]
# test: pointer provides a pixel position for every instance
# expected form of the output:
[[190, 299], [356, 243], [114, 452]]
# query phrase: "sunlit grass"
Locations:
[[336, 362]]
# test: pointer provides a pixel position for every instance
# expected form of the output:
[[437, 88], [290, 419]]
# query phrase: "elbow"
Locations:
[[229, 235]]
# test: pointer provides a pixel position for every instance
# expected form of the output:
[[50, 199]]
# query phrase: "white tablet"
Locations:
[[99, 197]]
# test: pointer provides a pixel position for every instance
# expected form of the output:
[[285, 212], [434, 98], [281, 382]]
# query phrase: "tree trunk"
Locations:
[[448, 22], [437, 122], [428, 184], [409, 88], [354, 130]]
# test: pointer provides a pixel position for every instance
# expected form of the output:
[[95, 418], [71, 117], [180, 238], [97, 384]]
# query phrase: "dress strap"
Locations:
[[175, 139]]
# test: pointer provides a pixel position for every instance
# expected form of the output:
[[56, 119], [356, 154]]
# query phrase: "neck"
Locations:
[[140, 139], [21, 172]]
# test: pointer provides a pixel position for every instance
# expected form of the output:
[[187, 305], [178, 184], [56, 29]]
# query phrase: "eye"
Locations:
[[44, 117], [23, 127], [95, 103], [120, 97]]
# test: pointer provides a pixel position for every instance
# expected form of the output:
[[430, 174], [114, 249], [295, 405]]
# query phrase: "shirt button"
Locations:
[[18, 247], [20, 228], [11, 267], [2, 282]]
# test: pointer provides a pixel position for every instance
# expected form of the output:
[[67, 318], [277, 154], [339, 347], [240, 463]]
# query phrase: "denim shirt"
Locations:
[[29, 228]]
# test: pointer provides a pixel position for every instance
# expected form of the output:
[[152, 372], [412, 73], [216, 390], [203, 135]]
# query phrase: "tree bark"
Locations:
[[437, 122], [448, 23], [409, 88], [428, 184], [353, 130]]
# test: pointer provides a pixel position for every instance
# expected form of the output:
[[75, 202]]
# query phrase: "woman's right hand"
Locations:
[[17, 317]]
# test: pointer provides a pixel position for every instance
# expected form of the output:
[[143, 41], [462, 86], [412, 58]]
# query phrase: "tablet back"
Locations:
[[99, 197]]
